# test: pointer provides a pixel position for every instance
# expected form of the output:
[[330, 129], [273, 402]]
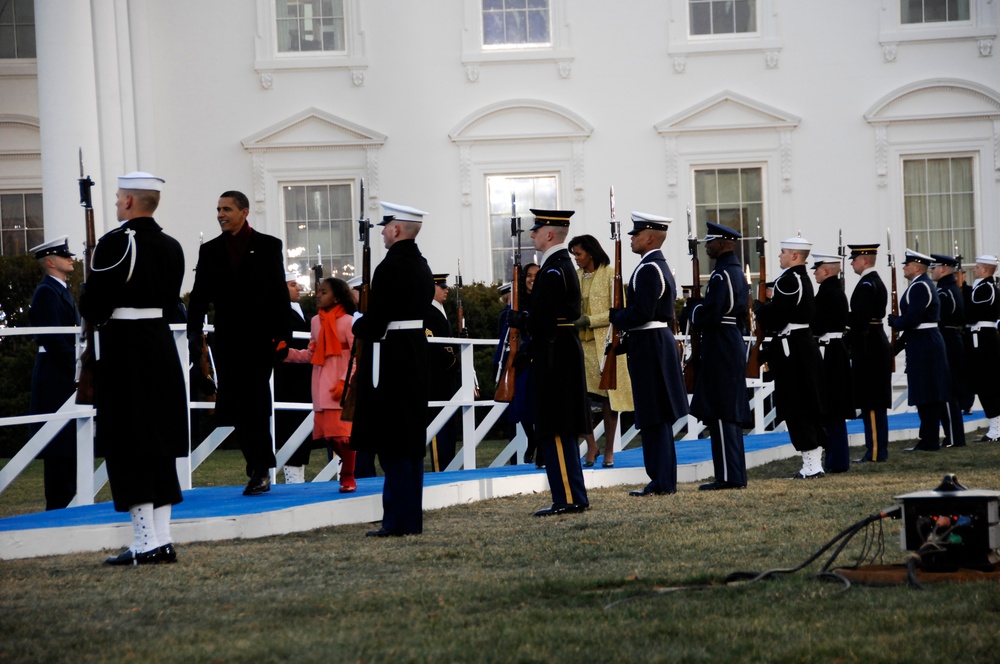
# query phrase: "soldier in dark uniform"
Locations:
[[292, 383], [558, 377], [653, 363], [133, 289], [242, 273], [984, 343], [53, 380], [828, 327], [927, 375], [390, 419], [952, 325], [445, 373], [871, 357], [793, 356], [720, 395]]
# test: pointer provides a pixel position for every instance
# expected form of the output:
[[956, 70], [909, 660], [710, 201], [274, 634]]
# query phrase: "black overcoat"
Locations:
[[444, 361], [829, 322], [871, 356], [557, 372], [952, 326], [793, 357], [251, 316], [653, 361], [391, 415], [53, 379], [141, 400], [983, 344], [927, 375], [292, 383], [720, 389]]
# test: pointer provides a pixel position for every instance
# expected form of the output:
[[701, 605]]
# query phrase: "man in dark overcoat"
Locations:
[[828, 326], [390, 418], [983, 343], [445, 377], [928, 377], [871, 356], [653, 362], [242, 273], [53, 380], [293, 383], [558, 380], [952, 326], [720, 394], [141, 401], [793, 356]]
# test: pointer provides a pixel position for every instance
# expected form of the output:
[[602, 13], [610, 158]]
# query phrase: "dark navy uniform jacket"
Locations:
[[831, 320], [53, 379], [653, 362], [720, 390], [983, 344], [952, 326], [927, 375], [871, 357]]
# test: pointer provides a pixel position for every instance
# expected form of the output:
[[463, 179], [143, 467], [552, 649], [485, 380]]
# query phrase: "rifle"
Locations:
[[349, 398], [893, 295], [462, 332], [505, 384], [753, 357], [609, 361], [842, 252], [86, 386], [318, 267], [694, 340]]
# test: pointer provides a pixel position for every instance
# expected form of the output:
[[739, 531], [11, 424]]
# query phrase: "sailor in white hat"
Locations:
[[981, 314], [794, 358]]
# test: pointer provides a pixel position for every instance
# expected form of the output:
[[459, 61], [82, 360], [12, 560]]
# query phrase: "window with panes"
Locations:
[[721, 17], [938, 203], [516, 24], [319, 230], [17, 29], [733, 197], [538, 191], [933, 11], [22, 225], [310, 26]]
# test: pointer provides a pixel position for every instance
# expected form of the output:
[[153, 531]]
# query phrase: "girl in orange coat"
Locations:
[[329, 352]]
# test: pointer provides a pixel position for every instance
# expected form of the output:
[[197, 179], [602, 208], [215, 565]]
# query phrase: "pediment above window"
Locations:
[[936, 99], [19, 136], [313, 129], [521, 120], [727, 111]]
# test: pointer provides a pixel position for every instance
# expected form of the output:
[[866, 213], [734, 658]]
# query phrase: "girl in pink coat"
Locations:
[[329, 352]]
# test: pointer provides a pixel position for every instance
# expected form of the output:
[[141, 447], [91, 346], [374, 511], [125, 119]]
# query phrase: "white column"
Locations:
[[67, 113]]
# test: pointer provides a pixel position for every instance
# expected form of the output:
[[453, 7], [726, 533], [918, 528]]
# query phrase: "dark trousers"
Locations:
[[60, 481], [402, 495], [443, 444], [364, 464], [838, 455], [562, 467], [931, 415], [954, 425], [660, 457], [806, 433], [728, 457], [876, 423], [285, 424], [254, 438]]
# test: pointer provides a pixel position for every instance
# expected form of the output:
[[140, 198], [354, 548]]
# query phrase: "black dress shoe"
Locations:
[[168, 554], [816, 475], [571, 508], [130, 557], [862, 460], [649, 490], [987, 439], [917, 448], [258, 485], [720, 485], [382, 532]]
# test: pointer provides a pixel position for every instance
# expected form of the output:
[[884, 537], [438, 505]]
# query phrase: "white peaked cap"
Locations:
[[140, 180]]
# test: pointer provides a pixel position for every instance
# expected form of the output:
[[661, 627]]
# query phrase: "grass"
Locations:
[[487, 582]]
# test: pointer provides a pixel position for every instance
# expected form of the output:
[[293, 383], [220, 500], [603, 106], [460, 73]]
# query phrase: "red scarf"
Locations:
[[328, 341]]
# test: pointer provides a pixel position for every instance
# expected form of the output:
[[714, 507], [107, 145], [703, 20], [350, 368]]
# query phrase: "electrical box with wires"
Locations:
[[952, 527]]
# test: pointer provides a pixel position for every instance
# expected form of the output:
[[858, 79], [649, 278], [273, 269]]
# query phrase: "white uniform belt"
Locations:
[[975, 327], [131, 313], [651, 325], [404, 325], [377, 348], [927, 326], [41, 349], [831, 335], [728, 320], [791, 327]]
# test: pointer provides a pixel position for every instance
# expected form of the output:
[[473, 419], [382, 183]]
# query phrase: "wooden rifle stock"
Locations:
[[609, 373], [348, 400], [86, 388], [505, 385], [753, 358]]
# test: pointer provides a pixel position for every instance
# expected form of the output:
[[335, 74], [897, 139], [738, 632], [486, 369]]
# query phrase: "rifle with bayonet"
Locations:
[[694, 339], [462, 332], [318, 268], [505, 382], [86, 387], [753, 356], [609, 361], [349, 397], [893, 295], [842, 252]]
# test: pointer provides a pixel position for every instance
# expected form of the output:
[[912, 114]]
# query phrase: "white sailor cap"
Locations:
[[824, 259], [504, 288], [917, 257], [291, 276], [394, 212], [56, 247], [987, 259], [645, 221], [140, 180], [355, 281], [797, 244]]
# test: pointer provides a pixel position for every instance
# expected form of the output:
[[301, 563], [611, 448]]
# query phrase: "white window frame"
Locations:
[[976, 183], [328, 270], [981, 27], [523, 211], [24, 229], [681, 43], [268, 60], [475, 54], [748, 246]]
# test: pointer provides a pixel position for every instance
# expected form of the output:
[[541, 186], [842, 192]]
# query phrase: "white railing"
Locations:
[[464, 401]]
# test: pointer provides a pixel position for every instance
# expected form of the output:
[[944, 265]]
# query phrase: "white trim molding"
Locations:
[[766, 41], [981, 28]]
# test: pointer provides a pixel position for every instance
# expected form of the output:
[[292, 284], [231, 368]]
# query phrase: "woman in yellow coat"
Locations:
[[596, 275]]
